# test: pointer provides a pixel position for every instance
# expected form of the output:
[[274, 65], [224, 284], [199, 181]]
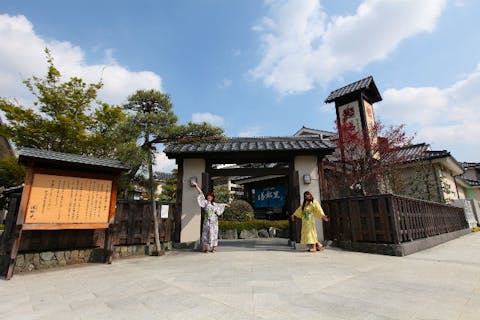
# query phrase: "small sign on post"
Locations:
[[164, 211]]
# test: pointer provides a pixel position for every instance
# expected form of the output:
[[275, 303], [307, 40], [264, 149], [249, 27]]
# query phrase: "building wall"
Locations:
[[419, 181], [449, 186], [190, 211], [308, 165], [475, 192], [462, 193], [430, 181]]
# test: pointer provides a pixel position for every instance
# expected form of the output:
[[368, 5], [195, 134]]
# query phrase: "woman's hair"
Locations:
[[305, 194], [212, 195]]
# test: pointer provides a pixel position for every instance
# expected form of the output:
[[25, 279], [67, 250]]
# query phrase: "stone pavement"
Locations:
[[257, 280]]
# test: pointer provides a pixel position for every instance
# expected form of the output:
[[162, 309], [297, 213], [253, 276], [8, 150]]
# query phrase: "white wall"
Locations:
[[308, 165], [451, 193], [461, 192], [191, 212]]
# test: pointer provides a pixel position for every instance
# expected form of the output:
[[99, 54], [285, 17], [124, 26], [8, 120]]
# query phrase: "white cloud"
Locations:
[[208, 117], [303, 47], [163, 164], [250, 132], [22, 55], [447, 118]]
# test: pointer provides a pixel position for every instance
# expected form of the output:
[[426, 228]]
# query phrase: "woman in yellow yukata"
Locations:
[[308, 211]]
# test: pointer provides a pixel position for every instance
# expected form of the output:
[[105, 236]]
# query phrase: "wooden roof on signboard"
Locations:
[[46, 157], [367, 85]]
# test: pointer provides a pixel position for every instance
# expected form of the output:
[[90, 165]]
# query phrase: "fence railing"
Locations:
[[389, 219], [133, 224]]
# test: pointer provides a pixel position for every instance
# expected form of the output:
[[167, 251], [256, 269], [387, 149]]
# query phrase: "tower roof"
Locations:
[[367, 85]]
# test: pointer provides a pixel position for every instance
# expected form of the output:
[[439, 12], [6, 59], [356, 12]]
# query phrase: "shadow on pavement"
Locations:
[[277, 244]]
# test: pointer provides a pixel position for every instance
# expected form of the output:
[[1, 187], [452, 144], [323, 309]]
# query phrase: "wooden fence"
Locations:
[[134, 222], [389, 219], [133, 225]]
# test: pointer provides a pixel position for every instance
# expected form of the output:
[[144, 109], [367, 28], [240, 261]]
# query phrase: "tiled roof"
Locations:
[[417, 152], [256, 144], [366, 84], [467, 165], [315, 132], [473, 183], [163, 175], [68, 158]]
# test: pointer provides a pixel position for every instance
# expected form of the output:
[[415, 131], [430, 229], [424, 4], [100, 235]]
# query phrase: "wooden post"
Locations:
[[321, 178], [17, 234], [177, 224], [8, 235], [206, 188], [392, 204], [294, 195], [108, 247]]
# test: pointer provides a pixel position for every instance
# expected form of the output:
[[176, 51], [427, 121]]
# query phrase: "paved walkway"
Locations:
[[249, 283]]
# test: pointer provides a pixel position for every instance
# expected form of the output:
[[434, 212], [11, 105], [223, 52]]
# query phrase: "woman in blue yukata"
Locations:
[[210, 222]]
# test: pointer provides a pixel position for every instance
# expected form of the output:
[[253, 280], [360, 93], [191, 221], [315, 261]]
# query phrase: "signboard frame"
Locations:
[[67, 170], [27, 190]]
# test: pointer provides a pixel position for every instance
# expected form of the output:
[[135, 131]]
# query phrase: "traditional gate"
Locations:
[[297, 158]]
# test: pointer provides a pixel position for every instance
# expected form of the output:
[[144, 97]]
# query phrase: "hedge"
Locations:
[[252, 224]]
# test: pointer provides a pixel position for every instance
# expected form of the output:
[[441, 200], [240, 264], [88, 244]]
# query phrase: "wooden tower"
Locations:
[[354, 103]]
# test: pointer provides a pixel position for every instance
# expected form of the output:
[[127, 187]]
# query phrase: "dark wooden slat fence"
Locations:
[[134, 222], [133, 225], [389, 219]]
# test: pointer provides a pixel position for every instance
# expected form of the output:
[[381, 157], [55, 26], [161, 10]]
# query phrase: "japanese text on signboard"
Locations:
[[270, 197], [63, 199]]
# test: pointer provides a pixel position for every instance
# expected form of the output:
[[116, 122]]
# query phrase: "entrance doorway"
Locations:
[[269, 187], [297, 159]]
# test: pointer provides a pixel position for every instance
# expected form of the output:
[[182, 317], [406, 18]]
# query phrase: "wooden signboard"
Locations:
[[70, 193], [60, 200]]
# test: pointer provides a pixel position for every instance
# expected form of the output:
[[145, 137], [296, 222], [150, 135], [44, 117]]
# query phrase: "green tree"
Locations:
[[239, 210], [60, 120], [11, 174], [66, 117], [222, 194], [169, 188], [152, 121]]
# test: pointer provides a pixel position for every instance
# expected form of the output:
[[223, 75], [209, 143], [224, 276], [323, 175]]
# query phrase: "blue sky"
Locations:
[[263, 68]]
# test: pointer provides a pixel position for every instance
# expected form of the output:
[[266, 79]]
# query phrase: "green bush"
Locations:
[[252, 224], [2, 226], [240, 210]]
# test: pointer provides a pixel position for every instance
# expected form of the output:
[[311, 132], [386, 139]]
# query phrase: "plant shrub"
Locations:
[[240, 210], [2, 226], [252, 224]]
